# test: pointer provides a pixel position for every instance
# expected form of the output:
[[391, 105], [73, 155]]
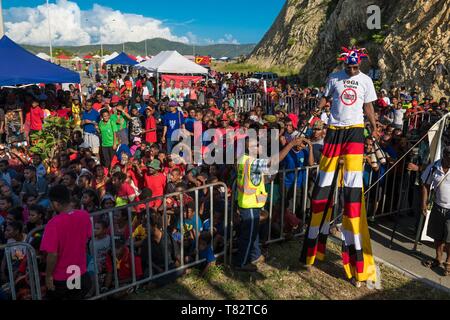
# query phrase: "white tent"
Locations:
[[148, 57], [139, 59], [77, 59], [111, 56], [173, 63], [43, 56], [96, 56]]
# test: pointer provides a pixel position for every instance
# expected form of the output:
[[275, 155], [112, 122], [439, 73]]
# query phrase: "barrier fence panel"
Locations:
[[175, 232], [292, 104], [122, 225], [25, 286]]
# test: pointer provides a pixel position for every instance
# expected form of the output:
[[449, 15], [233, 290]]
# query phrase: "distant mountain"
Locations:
[[154, 46]]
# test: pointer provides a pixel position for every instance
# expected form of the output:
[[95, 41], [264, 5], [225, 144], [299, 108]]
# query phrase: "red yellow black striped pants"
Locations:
[[346, 143]]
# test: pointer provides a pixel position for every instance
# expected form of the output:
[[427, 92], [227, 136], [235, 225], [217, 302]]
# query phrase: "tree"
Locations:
[[54, 134]]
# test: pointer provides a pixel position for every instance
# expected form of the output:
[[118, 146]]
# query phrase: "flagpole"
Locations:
[[49, 33], [2, 30]]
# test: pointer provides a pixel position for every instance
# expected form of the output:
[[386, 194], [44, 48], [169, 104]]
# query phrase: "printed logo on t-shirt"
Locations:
[[348, 97]]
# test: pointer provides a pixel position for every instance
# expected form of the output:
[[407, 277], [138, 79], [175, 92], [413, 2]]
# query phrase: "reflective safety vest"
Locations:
[[249, 195]]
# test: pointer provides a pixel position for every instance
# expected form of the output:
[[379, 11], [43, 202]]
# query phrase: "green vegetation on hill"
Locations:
[[154, 46], [246, 68]]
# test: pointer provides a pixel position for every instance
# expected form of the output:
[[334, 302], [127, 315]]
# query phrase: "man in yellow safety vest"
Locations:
[[252, 197]]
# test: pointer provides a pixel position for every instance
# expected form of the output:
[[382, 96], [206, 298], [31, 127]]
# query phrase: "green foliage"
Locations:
[[291, 42], [353, 42], [378, 85], [55, 132], [378, 38], [155, 46], [59, 51]]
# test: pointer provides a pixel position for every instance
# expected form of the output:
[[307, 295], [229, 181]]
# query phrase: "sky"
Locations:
[[84, 22]]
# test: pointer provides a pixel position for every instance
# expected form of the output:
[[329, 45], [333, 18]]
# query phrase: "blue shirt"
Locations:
[[92, 115], [173, 121], [190, 224], [207, 254], [189, 124], [295, 160]]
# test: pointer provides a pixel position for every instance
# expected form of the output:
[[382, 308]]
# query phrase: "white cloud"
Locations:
[[72, 26], [228, 38]]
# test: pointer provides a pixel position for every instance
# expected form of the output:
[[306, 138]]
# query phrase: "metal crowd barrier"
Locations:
[[26, 286], [183, 266], [110, 214], [415, 121], [292, 104], [246, 102], [271, 205]]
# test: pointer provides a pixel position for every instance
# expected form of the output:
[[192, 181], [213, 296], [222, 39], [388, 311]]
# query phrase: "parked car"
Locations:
[[268, 76]]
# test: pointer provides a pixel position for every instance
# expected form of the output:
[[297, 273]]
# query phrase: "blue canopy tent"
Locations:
[[20, 67], [122, 59]]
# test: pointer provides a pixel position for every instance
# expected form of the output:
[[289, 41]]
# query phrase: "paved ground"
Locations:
[[401, 254]]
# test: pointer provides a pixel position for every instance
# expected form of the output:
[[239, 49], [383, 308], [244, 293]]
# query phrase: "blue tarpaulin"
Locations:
[[122, 59], [20, 67]]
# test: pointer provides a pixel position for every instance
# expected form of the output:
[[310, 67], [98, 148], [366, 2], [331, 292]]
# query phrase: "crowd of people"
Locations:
[[120, 153]]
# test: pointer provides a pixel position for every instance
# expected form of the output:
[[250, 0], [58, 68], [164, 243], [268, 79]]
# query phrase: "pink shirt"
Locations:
[[67, 235]]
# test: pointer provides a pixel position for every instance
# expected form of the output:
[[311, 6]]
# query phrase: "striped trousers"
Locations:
[[346, 143]]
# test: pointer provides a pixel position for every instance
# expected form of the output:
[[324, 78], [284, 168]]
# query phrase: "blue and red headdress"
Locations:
[[352, 56]]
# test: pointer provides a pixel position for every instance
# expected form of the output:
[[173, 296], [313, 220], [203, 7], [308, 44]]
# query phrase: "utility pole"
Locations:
[[2, 31], [146, 54], [123, 47], [49, 33]]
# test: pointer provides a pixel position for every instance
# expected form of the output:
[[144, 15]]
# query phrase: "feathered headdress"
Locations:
[[353, 55]]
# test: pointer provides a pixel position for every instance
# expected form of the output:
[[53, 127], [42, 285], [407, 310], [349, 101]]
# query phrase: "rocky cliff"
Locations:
[[414, 38]]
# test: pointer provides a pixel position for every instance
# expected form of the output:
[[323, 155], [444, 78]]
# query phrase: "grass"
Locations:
[[246, 68], [282, 278]]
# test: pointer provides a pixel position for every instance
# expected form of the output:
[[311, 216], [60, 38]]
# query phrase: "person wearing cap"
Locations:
[[352, 94], [437, 178], [172, 121], [252, 197], [155, 181]]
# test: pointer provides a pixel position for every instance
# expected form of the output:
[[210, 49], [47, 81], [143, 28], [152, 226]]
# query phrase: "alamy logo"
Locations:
[[374, 19], [74, 280]]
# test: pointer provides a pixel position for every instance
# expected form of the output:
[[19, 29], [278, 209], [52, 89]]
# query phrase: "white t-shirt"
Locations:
[[398, 116], [442, 193], [349, 95], [324, 117]]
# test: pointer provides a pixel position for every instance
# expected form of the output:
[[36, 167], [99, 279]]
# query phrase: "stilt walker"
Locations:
[[351, 93]]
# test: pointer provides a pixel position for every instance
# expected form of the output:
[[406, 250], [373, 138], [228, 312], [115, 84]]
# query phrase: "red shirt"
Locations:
[[125, 191], [64, 113], [215, 110], [97, 106], [35, 117], [124, 266], [150, 123], [156, 183]]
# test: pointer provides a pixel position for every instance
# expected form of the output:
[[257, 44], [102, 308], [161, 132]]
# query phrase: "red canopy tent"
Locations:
[[63, 57], [88, 57], [132, 57]]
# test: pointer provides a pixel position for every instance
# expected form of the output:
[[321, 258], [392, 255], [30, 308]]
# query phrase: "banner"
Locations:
[[203, 60], [168, 77]]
